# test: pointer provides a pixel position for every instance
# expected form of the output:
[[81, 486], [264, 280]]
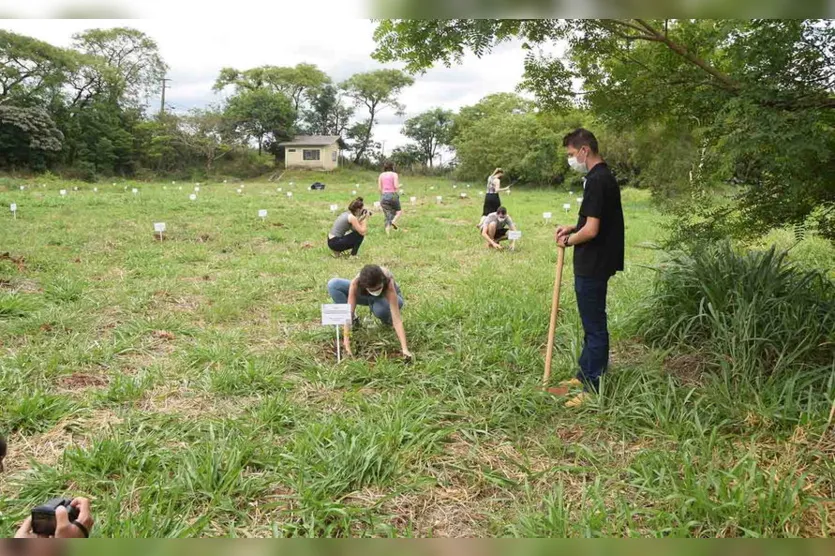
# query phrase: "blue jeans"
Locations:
[[338, 290], [591, 302]]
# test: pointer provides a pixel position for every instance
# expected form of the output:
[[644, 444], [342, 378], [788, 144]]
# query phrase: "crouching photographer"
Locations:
[[59, 518], [349, 229]]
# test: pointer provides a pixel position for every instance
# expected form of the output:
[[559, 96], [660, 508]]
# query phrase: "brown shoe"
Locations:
[[578, 400]]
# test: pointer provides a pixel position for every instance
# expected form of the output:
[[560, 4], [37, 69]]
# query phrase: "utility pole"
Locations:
[[162, 103]]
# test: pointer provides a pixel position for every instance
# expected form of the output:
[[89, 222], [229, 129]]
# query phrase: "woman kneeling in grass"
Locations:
[[495, 226], [376, 288], [349, 229]]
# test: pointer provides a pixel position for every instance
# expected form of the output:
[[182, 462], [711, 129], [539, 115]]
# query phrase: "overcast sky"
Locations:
[[197, 49]]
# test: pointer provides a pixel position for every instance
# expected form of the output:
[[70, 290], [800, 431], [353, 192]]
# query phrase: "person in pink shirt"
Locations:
[[389, 184]]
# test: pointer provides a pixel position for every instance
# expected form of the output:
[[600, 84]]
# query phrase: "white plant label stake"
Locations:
[[354, 192], [192, 197], [336, 314], [376, 204], [290, 194], [159, 227], [197, 189], [334, 208], [513, 235], [439, 199], [579, 200], [546, 216], [22, 187], [413, 200], [95, 190], [63, 192], [135, 191], [262, 214], [13, 208]]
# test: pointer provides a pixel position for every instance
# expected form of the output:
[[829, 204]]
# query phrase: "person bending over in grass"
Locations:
[[598, 241], [495, 226], [492, 201], [374, 287], [389, 184], [349, 229]]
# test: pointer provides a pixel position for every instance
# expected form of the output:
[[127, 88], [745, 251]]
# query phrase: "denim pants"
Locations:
[[338, 290], [591, 303]]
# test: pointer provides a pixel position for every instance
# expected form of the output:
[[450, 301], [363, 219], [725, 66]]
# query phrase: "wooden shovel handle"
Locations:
[[555, 307]]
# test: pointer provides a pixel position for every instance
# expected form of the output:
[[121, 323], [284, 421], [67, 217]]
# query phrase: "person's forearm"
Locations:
[[401, 333], [578, 238]]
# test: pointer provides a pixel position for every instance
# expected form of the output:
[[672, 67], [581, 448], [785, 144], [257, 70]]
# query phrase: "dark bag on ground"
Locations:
[[317, 186]]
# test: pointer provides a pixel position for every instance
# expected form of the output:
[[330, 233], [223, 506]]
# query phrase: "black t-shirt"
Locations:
[[602, 256]]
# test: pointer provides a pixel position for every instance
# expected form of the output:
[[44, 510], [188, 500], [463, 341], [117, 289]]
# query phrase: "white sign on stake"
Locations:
[[334, 208], [63, 192], [289, 193], [336, 314], [376, 204], [567, 207], [262, 213], [75, 188], [571, 193], [439, 199], [192, 197], [197, 189], [279, 190], [22, 187], [13, 208], [513, 235], [413, 200], [240, 191], [546, 215], [95, 190], [159, 227], [354, 192], [579, 200], [135, 191], [455, 187]]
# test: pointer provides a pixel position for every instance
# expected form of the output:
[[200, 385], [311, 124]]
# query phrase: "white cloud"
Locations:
[[196, 49]]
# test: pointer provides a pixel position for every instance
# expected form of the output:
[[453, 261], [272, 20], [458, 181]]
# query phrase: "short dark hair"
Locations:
[[388, 166], [501, 210], [581, 137], [356, 205], [371, 276]]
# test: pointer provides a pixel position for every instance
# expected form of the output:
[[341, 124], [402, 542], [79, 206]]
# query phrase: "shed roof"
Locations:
[[311, 141]]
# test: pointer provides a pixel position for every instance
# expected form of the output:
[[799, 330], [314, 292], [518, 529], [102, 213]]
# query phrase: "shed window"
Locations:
[[333, 156], [311, 154], [291, 150]]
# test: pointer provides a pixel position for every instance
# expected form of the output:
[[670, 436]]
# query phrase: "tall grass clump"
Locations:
[[754, 317]]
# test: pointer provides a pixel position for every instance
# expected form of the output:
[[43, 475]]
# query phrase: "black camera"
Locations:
[[43, 517]]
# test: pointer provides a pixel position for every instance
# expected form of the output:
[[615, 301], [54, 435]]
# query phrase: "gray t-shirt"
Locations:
[[493, 217], [342, 226]]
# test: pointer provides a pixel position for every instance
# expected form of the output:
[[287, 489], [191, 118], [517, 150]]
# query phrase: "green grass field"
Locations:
[[187, 387]]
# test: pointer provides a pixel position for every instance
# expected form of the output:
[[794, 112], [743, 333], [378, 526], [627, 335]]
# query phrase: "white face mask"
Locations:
[[576, 165], [502, 220], [376, 293]]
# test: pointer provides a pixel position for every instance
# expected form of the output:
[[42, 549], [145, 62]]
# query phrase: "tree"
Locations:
[[31, 71], [299, 82], [375, 90], [431, 130], [327, 115], [754, 99], [259, 114], [407, 156], [132, 55], [205, 133], [26, 135]]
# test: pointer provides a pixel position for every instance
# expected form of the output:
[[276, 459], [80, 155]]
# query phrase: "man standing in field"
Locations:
[[598, 241]]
